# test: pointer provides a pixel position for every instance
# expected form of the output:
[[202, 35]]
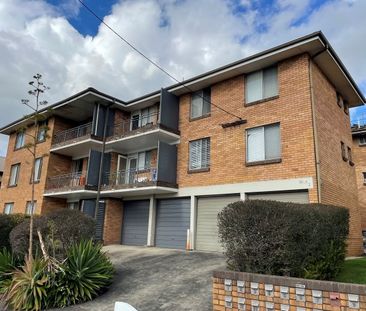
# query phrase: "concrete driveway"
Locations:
[[159, 279]]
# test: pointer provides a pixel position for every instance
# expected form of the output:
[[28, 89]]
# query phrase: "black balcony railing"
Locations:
[[72, 180], [73, 133], [133, 177]]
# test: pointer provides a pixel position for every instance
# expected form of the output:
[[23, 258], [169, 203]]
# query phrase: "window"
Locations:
[[345, 107], [339, 100], [343, 150], [144, 160], [73, 206], [362, 140], [36, 177], [20, 140], [8, 208], [264, 143], [199, 154], [14, 174], [261, 85], [364, 178], [350, 160], [77, 166], [30, 208], [148, 115], [42, 131], [201, 103]]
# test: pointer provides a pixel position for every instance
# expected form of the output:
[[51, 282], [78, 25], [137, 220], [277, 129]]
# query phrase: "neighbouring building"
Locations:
[[2, 165], [166, 163]]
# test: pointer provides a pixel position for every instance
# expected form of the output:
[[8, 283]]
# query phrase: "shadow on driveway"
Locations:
[[158, 279]]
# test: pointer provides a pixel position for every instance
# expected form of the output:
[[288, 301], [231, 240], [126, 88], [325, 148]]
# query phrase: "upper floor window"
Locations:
[[339, 100], [20, 140], [261, 84], [362, 140], [14, 174], [144, 160], [346, 107], [36, 176], [264, 143], [8, 208], [199, 154], [201, 103], [344, 152], [42, 131], [30, 208], [143, 117], [350, 160]]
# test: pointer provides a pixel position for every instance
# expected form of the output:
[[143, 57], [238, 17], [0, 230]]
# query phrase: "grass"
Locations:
[[353, 271]]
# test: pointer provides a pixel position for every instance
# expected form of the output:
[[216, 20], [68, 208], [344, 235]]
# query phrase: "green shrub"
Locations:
[[300, 240], [7, 223], [28, 287], [60, 229], [85, 274], [8, 263]]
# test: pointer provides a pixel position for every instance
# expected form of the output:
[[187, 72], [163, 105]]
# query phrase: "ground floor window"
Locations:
[[30, 207], [73, 205], [8, 208]]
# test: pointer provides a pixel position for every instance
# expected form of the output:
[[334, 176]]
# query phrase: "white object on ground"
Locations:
[[122, 306]]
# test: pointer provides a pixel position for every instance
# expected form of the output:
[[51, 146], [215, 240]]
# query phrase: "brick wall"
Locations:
[[248, 291], [292, 109], [359, 157], [338, 177], [113, 222]]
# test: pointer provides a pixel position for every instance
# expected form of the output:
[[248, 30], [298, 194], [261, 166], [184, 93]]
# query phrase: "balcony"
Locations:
[[140, 132], [61, 185], [74, 141]]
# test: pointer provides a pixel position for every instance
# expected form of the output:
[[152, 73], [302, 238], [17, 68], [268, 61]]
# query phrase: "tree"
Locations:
[[39, 128]]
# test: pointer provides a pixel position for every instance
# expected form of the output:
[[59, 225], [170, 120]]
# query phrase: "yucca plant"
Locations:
[[87, 272], [28, 287], [8, 263]]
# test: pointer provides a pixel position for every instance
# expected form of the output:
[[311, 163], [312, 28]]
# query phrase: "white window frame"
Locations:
[[263, 97], [8, 208], [37, 173], [144, 119], [17, 139], [201, 167], [42, 132], [29, 209], [264, 143], [201, 95], [74, 203], [16, 177]]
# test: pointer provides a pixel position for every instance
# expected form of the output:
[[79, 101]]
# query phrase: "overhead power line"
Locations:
[[151, 61]]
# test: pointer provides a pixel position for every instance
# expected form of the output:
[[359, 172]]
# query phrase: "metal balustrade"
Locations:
[[135, 123], [73, 133], [72, 180], [131, 177]]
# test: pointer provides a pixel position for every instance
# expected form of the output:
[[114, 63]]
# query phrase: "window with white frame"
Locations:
[[14, 174], [144, 160], [362, 140], [36, 176], [42, 131], [73, 205], [30, 208], [20, 140], [199, 154], [143, 117], [201, 103], [8, 208], [264, 143], [261, 84]]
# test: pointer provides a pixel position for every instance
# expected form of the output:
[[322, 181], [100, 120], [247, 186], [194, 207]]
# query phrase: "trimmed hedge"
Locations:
[[7, 223], [299, 240], [60, 229]]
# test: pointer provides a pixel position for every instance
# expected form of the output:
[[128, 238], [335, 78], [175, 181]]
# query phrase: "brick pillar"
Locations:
[[113, 222]]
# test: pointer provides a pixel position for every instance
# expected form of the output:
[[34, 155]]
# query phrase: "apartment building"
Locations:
[[271, 126]]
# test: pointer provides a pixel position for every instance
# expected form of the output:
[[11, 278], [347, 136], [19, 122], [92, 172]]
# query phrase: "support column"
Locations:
[[113, 221], [152, 222], [193, 222]]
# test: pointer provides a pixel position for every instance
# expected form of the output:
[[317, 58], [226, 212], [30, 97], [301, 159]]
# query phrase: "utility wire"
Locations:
[[151, 61]]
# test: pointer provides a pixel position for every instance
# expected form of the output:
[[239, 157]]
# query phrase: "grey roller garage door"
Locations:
[[172, 222], [207, 231], [135, 222], [296, 197]]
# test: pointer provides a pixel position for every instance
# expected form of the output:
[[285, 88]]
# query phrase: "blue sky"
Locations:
[[61, 40]]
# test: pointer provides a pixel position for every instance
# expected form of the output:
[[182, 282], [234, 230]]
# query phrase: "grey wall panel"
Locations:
[[100, 221], [110, 125], [296, 197], [93, 168], [172, 222], [135, 222], [169, 110], [167, 163], [207, 211], [88, 207]]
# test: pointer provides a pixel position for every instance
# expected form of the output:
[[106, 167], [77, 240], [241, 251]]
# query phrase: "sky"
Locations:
[[73, 51]]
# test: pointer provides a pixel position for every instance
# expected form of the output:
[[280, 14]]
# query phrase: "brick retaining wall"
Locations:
[[257, 292]]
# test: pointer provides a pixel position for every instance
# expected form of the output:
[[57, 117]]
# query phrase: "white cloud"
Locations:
[[196, 36]]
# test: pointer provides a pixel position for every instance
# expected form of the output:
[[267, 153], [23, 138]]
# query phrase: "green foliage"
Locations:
[[7, 223], [87, 272], [8, 263], [60, 229], [29, 286], [300, 240]]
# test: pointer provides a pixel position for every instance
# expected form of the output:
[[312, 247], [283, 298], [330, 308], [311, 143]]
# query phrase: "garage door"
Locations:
[[172, 222], [135, 222], [296, 197], [207, 210]]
